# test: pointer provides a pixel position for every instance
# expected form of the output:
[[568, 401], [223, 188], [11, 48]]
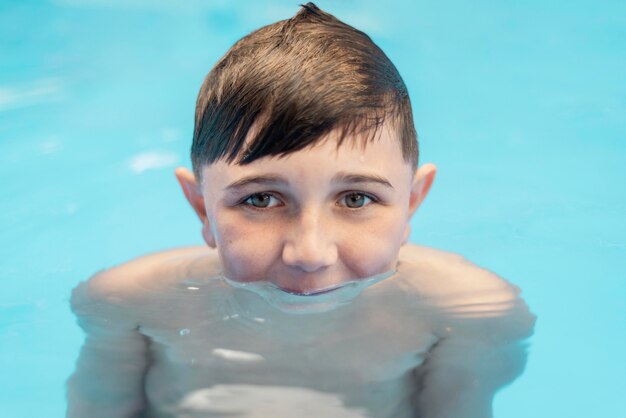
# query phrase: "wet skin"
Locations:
[[313, 219]]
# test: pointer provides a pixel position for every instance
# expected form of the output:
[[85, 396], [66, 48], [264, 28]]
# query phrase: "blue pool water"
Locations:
[[522, 106]]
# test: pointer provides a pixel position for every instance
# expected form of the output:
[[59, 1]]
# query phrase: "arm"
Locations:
[[474, 358], [108, 380]]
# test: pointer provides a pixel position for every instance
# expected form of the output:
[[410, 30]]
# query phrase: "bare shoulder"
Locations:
[[462, 290], [156, 269], [130, 283], [441, 273]]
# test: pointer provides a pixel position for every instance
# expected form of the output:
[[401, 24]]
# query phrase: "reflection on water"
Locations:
[[323, 300], [395, 345], [263, 402]]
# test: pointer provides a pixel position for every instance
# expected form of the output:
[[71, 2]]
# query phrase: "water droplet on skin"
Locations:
[[184, 331]]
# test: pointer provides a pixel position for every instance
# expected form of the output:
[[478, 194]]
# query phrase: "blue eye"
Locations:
[[356, 200], [259, 200]]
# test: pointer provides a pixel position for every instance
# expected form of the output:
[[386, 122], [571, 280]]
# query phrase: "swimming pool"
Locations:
[[521, 107]]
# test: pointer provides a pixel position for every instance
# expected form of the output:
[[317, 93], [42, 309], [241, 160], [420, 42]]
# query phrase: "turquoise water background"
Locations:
[[522, 106]]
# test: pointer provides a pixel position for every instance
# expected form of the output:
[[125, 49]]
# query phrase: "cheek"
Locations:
[[374, 249], [246, 249]]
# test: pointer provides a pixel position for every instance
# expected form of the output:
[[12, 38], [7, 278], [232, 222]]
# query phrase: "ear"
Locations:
[[422, 182], [193, 193]]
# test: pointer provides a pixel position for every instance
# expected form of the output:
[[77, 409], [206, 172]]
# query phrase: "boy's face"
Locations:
[[312, 219]]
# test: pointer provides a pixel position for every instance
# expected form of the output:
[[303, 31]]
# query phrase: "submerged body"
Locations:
[[168, 336], [310, 302]]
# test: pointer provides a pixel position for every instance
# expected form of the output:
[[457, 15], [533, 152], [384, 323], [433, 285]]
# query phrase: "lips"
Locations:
[[314, 293]]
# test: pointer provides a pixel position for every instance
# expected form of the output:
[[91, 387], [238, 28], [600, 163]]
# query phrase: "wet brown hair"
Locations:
[[298, 79]]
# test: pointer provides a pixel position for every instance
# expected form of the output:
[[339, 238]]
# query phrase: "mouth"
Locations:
[[314, 293]]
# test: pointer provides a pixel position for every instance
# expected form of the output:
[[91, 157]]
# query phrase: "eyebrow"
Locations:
[[268, 179], [277, 180], [350, 178]]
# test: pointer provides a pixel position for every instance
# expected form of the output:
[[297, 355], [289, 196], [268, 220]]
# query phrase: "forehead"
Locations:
[[379, 153]]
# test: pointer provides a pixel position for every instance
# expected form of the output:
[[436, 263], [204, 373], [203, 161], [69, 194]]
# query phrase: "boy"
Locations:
[[308, 301]]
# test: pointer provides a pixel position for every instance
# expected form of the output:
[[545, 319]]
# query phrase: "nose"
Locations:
[[310, 245]]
